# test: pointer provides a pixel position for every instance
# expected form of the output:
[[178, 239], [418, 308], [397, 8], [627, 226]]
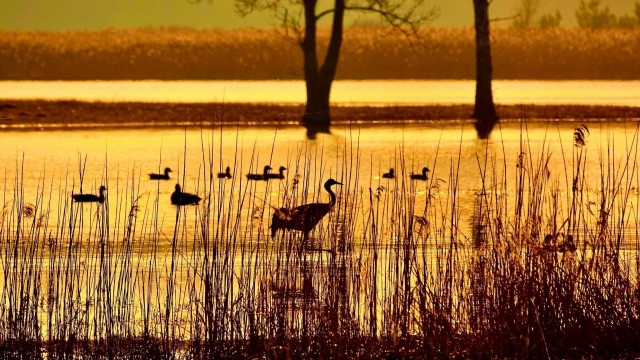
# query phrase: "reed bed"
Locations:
[[368, 53], [397, 269]]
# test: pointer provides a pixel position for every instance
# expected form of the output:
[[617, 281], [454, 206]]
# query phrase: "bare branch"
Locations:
[[505, 18], [393, 14]]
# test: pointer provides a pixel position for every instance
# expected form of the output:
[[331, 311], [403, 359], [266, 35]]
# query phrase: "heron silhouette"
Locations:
[[164, 176], [83, 198], [279, 175], [422, 176], [304, 217], [390, 175], [181, 198], [263, 176], [226, 174]]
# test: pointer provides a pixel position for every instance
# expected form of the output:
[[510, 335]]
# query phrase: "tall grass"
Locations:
[[395, 270], [368, 53]]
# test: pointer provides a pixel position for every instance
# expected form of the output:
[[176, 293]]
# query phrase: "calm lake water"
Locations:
[[121, 159], [162, 257], [343, 92]]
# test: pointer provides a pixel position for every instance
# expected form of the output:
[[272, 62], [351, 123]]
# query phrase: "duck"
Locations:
[[548, 244], [390, 175], [164, 176], [181, 198], [279, 175], [226, 174], [263, 176], [422, 176], [567, 245], [83, 198]]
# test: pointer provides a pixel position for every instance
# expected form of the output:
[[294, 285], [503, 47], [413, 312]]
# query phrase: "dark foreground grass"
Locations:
[[401, 278]]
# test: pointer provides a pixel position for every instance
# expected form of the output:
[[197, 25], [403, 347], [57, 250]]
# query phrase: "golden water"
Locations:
[[369, 92], [121, 160]]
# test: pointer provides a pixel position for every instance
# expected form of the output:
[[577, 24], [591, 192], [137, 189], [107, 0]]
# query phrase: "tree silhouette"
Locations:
[[302, 17], [484, 111]]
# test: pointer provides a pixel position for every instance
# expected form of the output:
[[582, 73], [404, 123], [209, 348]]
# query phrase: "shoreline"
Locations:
[[44, 114]]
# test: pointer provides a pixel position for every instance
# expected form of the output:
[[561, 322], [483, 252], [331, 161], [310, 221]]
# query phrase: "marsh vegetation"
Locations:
[[253, 54], [412, 268]]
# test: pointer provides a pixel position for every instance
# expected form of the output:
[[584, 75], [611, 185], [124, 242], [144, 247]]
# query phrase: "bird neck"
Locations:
[[332, 195]]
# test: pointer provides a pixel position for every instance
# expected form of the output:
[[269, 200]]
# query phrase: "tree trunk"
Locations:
[[484, 111], [317, 118]]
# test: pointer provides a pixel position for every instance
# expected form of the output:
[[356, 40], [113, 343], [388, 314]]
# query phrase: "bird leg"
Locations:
[[305, 245]]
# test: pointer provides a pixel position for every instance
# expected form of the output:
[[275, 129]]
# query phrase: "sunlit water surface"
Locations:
[[370, 92], [121, 159]]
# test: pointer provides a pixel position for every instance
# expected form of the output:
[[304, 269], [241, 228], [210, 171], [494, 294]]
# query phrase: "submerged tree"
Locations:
[[484, 111], [302, 17]]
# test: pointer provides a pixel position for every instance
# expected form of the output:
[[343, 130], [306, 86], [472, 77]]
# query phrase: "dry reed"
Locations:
[[400, 276], [368, 53]]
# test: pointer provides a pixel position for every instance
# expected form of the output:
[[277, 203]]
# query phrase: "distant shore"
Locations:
[[34, 114], [266, 54]]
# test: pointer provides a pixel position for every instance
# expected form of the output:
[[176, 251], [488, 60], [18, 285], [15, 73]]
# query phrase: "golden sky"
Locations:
[[100, 14]]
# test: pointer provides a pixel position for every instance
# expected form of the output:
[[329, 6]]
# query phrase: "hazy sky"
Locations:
[[100, 14]]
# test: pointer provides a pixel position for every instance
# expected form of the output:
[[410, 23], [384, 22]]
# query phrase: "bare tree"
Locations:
[[526, 11], [302, 17], [484, 111]]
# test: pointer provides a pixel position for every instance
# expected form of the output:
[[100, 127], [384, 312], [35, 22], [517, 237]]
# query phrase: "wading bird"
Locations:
[[422, 176], [164, 176], [390, 175], [279, 175], [226, 174], [181, 198], [304, 217], [263, 176], [82, 198]]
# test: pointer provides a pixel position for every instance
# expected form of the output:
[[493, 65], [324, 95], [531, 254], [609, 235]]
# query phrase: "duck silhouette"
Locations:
[[181, 198], [226, 174], [390, 175], [164, 176], [422, 176], [83, 198], [263, 176], [279, 175], [567, 245]]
